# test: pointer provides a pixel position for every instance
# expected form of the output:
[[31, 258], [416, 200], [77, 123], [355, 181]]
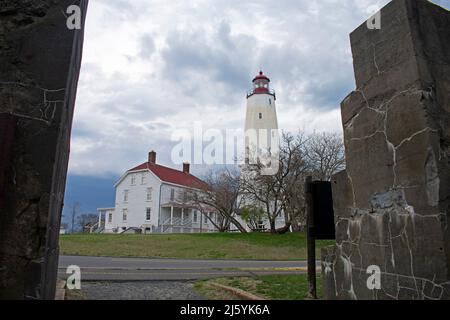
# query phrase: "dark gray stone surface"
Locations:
[[392, 204], [143, 290], [39, 66]]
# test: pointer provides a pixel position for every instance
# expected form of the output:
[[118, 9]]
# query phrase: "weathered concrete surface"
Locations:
[[142, 290], [39, 67], [392, 204]]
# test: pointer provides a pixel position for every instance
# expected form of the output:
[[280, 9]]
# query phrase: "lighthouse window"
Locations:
[[260, 115]]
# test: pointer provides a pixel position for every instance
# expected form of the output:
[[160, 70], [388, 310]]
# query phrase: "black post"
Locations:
[[7, 129], [311, 242]]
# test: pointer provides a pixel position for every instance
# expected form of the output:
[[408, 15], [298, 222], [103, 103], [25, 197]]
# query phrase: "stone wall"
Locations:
[[392, 204], [39, 66]]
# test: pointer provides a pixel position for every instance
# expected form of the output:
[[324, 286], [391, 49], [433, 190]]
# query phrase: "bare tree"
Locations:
[[276, 193], [320, 155], [222, 196], [75, 208], [295, 167], [325, 154]]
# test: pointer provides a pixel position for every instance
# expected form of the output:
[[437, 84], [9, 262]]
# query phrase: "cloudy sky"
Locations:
[[153, 66]]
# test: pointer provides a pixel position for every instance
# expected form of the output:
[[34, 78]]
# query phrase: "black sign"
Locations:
[[322, 227]]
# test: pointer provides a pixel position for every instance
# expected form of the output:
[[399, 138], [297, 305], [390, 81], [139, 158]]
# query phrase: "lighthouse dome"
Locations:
[[261, 86], [261, 76]]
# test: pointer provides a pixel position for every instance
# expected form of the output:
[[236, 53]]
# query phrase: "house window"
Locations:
[[172, 194], [260, 115], [149, 194], [195, 217], [125, 195], [205, 218], [133, 179], [124, 214], [143, 178], [110, 218], [148, 214]]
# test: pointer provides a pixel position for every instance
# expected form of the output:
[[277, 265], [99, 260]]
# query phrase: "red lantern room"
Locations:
[[261, 86]]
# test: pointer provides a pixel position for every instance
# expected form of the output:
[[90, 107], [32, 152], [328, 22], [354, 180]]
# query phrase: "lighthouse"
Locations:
[[261, 124]]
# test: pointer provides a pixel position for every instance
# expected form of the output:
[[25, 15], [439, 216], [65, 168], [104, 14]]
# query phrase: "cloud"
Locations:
[[151, 67], [147, 46], [214, 54]]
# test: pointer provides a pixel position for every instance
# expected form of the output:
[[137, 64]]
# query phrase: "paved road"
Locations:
[[139, 269]]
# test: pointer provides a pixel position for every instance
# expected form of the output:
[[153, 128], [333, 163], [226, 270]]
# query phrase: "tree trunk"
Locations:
[[296, 227], [272, 225], [284, 229], [238, 225]]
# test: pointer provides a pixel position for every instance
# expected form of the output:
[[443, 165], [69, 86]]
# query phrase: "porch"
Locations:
[[176, 218]]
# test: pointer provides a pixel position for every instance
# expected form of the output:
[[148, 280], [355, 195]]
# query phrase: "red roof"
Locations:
[[261, 76], [171, 175]]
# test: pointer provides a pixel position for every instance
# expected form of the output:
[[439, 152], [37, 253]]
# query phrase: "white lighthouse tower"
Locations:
[[261, 124]]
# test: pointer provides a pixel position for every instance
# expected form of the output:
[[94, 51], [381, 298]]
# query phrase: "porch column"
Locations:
[[182, 220], [99, 219], [171, 219]]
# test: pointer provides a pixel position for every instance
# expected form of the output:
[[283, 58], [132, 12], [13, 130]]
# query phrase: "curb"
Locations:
[[238, 292], [60, 293], [305, 269]]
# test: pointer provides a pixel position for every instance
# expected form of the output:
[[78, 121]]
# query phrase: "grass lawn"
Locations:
[[264, 246], [271, 287]]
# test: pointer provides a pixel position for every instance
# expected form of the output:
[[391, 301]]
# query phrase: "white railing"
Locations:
[[256, 91], [93, 228], [187, 223], [176, 222]]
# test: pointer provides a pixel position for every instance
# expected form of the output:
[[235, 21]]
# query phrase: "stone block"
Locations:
[[393, 200], [40, 60]]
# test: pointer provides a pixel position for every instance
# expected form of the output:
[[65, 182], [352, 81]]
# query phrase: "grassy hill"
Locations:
[[291, 246]]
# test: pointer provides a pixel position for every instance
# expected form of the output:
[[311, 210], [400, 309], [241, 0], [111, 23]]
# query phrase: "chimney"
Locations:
[[186, 167], [152, 157]]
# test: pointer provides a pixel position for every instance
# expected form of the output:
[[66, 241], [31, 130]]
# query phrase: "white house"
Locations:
[[152, 198]]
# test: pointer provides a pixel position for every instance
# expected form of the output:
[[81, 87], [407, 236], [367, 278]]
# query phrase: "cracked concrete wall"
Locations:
[[39, 67], [392, 204]]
